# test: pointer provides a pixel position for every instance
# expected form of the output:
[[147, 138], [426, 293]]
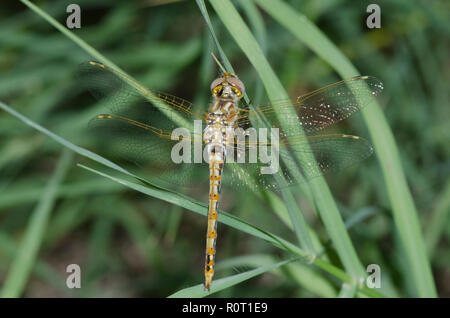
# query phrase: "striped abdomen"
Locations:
[[215, 175]]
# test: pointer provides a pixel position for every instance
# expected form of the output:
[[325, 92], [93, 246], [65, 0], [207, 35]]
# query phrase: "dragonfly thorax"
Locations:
[[222, 116], [223, 110], [218, 133]]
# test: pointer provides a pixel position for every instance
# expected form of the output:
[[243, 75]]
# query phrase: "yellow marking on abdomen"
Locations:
[[215, 169]]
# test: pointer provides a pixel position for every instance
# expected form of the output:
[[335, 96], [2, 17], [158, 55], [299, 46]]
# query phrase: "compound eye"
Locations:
[[237, 91], [216, 83], [236, 83], [215, 91]]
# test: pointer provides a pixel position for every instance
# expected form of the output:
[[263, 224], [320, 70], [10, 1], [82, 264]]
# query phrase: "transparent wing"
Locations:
[[140, 131], [156, 158], [123, 93], [318, 109], [140, 123], [163, 159], [298, 161], [305, 156]]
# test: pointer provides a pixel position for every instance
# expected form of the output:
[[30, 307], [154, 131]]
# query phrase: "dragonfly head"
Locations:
[[228, 86]]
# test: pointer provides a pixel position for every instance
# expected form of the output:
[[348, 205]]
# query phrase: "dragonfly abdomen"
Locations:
[[221, 118], [215, 176]]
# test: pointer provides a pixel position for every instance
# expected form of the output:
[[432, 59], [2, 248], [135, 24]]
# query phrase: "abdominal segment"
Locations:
[[215, 176]]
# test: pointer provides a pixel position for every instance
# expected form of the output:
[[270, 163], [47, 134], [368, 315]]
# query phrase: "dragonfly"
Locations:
[[141, 124]]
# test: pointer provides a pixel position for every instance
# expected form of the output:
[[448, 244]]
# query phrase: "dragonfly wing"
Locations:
[[166, 161], [140, 124], [319, 109], [323, 154], [120, 91], [298, 161]]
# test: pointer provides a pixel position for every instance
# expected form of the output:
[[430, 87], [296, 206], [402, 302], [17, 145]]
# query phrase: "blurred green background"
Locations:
[[132, 245]]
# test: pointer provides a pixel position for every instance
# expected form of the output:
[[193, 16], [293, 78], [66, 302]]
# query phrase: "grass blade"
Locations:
[[89, 49], [200, 208], [191, 204], [226, 282], [64, 142], [439, 218], [299, 224], [302, 274], [325, 202], [403, 208], [347, 291], [22, 264], [41, 269], [231, 220], [117, 70], [201, 5]]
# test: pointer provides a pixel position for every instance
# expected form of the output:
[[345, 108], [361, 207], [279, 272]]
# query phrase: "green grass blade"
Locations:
[[230, 220], [299, 224], [325, 202], [201, 5], [200, 208], [403, 208], [154, 191], [22, 264], [13, 196], [191, 204], [226, 282], [302, 274], [64, 142], [439, 219], [347, 291], [311, 280], [256, 22], [42, 270], [182, 122], [89, 49]]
